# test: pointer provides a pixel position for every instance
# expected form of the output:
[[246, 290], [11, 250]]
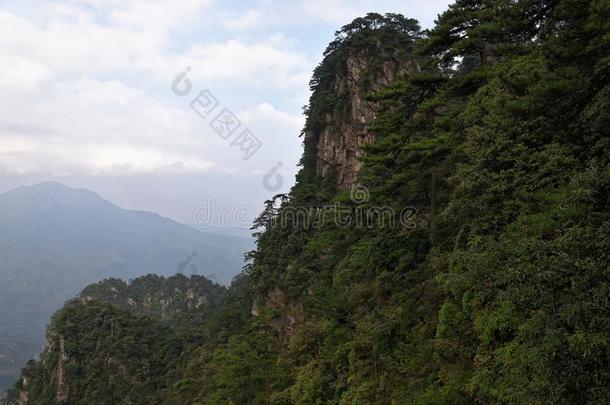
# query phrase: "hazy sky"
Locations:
[[86, 96]]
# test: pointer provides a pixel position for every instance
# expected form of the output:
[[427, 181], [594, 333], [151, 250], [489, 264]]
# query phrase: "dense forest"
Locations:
[[55, 240], [496, 290]]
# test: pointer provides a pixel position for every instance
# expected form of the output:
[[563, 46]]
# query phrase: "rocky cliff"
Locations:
[[368, 55], [353, 69], [340, 144], [115, 330], [176, 299]]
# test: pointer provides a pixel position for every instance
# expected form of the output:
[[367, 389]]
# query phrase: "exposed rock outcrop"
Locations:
[[166, 299], [347, 130], [62, 386], [20, 397], [289, 315]]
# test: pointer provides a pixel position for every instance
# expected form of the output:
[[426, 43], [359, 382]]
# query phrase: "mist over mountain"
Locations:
[[55, 240]]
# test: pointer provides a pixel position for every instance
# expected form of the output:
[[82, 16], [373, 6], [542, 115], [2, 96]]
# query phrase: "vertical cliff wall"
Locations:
[[366, 56], [339, 145]]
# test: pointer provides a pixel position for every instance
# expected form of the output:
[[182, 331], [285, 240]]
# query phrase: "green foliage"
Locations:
[[498, 294], [177, 300], [110, 357], [376, 38]]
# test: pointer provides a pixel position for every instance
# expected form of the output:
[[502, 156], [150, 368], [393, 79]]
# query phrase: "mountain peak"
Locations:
[[50, 187], [50, 193]]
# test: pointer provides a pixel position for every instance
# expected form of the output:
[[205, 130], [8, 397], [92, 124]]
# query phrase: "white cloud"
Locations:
[[334, 13], [254, 63], [71, 102], [269, 114], [85, 84], [157, 15], [18, 74], [248, 20]]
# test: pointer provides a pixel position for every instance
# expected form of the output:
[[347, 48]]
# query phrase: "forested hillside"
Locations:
[[55, 240], [176, 300], [467, 263]]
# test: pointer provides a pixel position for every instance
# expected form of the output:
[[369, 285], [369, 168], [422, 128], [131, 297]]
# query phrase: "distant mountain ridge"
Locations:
[[55, 240]]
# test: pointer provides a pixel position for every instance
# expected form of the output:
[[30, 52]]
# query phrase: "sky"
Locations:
[[188, 108]]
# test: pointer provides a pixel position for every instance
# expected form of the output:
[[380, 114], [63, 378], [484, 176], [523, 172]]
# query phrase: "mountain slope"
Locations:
[[129, 333], [175, 300], [54, 240], [493, 288]]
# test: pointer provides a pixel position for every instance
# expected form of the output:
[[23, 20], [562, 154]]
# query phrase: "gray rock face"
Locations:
[[340, 143]]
